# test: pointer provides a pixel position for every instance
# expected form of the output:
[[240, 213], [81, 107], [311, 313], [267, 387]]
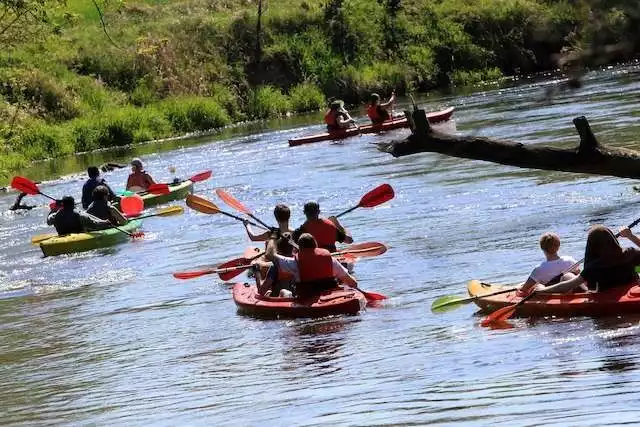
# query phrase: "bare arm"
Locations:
[[628, 234], [343, 275], [390, 101], [563, 287], [117, 216], [270, 253], [347, 236], [254, 237]]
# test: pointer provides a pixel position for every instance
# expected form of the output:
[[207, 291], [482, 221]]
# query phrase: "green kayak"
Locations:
[[80, 242], [177, 191]]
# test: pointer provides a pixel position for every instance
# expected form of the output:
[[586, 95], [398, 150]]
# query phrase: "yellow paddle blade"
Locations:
[[201, 204], [41, 238], [170, 211]]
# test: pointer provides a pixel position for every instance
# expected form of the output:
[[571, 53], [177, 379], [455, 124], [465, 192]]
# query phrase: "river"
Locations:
[[110, 337]]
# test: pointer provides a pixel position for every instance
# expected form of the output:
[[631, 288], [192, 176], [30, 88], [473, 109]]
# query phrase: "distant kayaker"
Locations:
[[67, 220], [314, 270], [138, 180], [17, 205], [379, 112], [282, 213], [554, 265], [337, 117], [102, 209], [326, 231], [94, 181], [606, 264], [108, 167]]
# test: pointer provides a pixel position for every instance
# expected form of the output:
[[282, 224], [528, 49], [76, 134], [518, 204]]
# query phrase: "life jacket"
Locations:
[[100, 209], [324, 231], [315, 267], [377, 114], [331, 119], [140, 179], [67, 222]]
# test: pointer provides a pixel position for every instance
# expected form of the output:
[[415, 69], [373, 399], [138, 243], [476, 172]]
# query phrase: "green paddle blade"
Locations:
[[448, 303]]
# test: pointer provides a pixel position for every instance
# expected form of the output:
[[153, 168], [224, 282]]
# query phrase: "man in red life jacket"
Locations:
[[337, 117], [378, 112], [314, 269], [138, 180], [326, 231]]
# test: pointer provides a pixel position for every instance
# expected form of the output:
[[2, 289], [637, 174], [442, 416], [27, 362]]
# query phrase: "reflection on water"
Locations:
[[110, 337]]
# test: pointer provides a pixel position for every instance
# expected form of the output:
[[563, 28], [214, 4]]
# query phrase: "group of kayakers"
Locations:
[[97, 198], [299, 262], [337, 117]]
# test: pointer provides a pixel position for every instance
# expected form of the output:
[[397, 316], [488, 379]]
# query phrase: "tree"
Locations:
[[24, 20]]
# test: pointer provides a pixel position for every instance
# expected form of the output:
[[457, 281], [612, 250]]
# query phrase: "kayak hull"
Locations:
[[81, 242], [333, 302], [619, 300], [176, 192], [396, 123]]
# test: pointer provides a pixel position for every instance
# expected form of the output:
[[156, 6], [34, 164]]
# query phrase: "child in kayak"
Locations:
[[67, 220], [102, 209], [138, 180], [92, 183], [326, 231], [606, 263], [337, 117], [282, 213], [553, 266], [378, 112]]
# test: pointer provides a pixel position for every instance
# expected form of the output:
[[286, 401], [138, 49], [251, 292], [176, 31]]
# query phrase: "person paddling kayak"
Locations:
[[67, 220], [314, 270], [379, 112], [17, 205], [337, 117], [606, 264], [326, 231], [282, 213], [139, 180], [94, 181], [102, 209]]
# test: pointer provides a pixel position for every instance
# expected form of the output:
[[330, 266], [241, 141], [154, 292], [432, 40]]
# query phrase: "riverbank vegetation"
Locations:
[[161, 68]]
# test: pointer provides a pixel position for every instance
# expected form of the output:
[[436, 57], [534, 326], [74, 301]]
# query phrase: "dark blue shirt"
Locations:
[[89, 186]]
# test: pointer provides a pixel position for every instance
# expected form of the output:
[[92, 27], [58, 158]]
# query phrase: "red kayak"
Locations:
[[332, 302], [434, 117]]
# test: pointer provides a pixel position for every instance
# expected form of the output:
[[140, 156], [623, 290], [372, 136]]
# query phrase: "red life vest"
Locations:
[[377, 114], [141, 179], [324, 231], [314, 265]]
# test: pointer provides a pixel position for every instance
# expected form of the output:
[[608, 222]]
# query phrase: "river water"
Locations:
[[110, 337]]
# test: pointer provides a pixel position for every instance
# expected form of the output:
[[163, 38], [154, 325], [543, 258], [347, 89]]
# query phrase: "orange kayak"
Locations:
[[397, 123], [619, 300], [332, 302]]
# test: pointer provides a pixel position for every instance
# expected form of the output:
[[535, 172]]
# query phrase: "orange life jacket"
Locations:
[[331, 118], [314, 265], [377, 114], [141, 179], [324, 231]]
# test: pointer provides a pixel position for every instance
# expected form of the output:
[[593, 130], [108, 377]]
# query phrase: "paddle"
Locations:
[[203, 205], [452, 302], [373, 198], [25, 185], [501, 315], [237, 205]]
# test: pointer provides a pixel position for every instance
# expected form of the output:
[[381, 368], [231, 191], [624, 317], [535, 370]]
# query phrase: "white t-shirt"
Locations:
[[290, 265], [547, 270]]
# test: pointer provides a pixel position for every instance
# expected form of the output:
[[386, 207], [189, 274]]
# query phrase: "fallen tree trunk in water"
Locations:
[[589, 157]]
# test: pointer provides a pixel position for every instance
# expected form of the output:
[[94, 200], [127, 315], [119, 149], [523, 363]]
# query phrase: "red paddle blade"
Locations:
[[137, 235], [158, 189], [132, 205], [235, 267], [499, 316], [192, 274], [372, 296], [231, 201], [377, 196], [201, 176], [361, 250], [25, 185]]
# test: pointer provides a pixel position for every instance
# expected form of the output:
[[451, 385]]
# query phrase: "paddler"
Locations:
[[67, 220], [17, 205], [379, 112], [94, 181], [102, 209], [326, 231], [314, 270], [337, 117], [139, 180]]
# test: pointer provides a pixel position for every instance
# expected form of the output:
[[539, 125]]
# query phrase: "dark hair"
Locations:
[[282, 212], [311, 209], [93, 172], [68, 202], [375, 97], [100, 193], [602, 246], [307, 241]]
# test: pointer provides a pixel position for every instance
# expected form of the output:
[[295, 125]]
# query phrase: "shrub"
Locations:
[[187, 114], [266, 102], [306, 97]]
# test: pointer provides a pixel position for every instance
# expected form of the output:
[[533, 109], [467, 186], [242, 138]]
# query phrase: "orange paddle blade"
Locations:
[[25, 185], [377, 196], [201, 204], [361, 250], [158, 189], [233, 268], [193, 274], [372, 296], [201, 176], [231, 201], [499, 316]]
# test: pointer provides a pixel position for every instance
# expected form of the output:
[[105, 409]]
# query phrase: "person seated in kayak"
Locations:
[[17, 205], [94, 181], [282, 213], [108, 167], [138, 180], [554, 267], [67, 220], [606, 263], [378, 112], [326, 231], [314, 270], [102, 209], [337, 117]]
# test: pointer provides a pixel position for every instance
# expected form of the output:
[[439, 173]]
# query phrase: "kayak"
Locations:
[[176, 192], [619, 300], [80, 242], [396, 123], [332, 302]]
